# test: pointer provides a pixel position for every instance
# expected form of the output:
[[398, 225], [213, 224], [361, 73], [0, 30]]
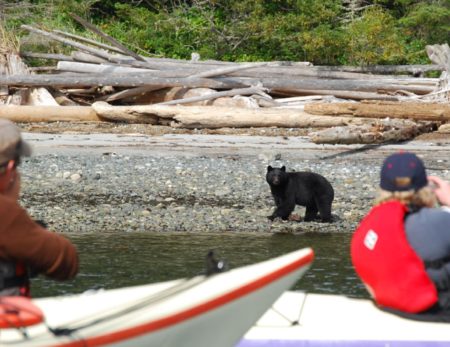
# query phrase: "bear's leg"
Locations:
[[325, 210], [311, 212], [283, 210]]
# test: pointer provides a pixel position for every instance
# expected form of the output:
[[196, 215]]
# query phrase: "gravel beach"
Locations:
[[132, 181]]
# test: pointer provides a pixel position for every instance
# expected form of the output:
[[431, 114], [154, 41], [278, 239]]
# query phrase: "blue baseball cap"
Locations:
[[403, 171]]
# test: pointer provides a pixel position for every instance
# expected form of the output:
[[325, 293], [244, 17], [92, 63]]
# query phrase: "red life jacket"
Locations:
[[14, 275], [386, 263]]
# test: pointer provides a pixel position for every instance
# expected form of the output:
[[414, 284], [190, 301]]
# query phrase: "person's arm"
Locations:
[[45, 252], [442, 190]]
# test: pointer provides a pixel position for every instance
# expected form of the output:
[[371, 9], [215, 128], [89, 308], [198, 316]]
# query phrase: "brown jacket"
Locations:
[[45, 252]]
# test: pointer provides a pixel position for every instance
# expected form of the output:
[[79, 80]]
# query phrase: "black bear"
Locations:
[[307, 189]]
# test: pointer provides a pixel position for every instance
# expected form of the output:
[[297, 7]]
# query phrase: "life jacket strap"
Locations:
[[438, 263]]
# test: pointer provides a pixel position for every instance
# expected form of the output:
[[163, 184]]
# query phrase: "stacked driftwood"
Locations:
[[108, 82]]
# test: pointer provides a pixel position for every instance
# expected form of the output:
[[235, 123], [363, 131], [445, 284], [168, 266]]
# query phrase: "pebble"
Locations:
[[117, 193]]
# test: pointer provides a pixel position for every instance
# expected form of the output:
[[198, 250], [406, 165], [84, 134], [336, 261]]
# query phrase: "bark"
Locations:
[[215, 95], [254, 70], [98, 68], [30, 114], [290, 86], [286, 85], [86, 40], [381, 131], [33, 96], [218, 117], [58, 38], [373, 109], [87, 58], [49, 56], [344, 94], [108, 38], [130, 94], [116, 80], [41, 96], [384, 69]]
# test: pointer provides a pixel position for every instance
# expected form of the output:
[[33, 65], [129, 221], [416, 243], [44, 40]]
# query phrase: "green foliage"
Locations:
[[322, 32], [374, 39], [428, 22]]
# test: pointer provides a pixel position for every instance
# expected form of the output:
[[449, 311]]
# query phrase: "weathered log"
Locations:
[[344, 94], [61, 98], [444, 128], [33, 96], [291, 85], [29, 114], [100, 68], [130, 94], [141, 91], [51, 69], [218, 117], [90, 41], [87, 58], [49, 56], [384, 69], [377, 109], [116, 80], [285, 85], [439, 54], [108, 38], [215, 95], [255, 70], [41, 96], [94, 51], [381, 131]]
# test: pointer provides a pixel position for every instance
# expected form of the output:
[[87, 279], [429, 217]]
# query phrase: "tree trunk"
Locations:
[[387, 130], [374, 109], [116, 80], [29, 114], [384, 69], [218, 117]]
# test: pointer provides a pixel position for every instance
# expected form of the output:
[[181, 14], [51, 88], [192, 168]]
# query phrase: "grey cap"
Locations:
[[11, 144]]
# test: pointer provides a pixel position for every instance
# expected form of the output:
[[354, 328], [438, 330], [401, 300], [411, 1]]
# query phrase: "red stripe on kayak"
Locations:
[[146, 328]]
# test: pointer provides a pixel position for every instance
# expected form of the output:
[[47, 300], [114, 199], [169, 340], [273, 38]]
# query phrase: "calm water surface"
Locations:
[[125, 259]]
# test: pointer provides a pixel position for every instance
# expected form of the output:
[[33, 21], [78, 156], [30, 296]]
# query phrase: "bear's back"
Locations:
[[310, 183]]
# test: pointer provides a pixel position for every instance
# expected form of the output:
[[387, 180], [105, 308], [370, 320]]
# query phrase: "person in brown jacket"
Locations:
[[25, 246]]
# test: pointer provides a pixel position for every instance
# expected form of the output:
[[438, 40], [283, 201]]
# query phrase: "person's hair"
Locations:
[[424, 197]]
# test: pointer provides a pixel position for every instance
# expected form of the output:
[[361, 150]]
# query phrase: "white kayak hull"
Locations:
[[316, 320], [202, 311]]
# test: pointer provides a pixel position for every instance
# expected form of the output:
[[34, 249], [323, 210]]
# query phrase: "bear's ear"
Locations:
[[283, 168], [269, 168]]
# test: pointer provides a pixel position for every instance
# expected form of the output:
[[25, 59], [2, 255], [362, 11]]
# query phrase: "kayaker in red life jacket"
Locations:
[[24, 244], [401, 249]]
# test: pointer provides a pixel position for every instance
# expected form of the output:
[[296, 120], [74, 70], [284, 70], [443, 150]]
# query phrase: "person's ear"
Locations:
[[7, 176]]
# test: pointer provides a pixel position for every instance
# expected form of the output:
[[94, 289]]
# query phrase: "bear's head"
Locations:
[[276, 176]]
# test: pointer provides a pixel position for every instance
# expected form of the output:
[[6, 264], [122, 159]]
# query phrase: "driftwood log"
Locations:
[[378, 109], [116, 80], [285, 85], [381, 131], [29, 114], [219, 117]]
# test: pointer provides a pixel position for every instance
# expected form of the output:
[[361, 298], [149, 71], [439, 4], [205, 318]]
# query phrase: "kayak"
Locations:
[[215, 310], [304, 319]]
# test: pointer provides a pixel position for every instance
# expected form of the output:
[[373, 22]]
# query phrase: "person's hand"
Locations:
[[13, 189], [442, 190]]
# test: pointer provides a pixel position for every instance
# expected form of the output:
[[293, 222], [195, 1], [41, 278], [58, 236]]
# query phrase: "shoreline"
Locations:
[[90, 182]]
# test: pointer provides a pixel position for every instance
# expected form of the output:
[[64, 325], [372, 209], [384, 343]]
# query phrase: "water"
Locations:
[[124, 259]]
